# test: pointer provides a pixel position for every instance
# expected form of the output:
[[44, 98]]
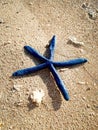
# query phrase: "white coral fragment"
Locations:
[[37, 96], [75, 42]]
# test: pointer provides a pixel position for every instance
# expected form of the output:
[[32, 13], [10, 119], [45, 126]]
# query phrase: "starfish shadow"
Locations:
[[53, 91]]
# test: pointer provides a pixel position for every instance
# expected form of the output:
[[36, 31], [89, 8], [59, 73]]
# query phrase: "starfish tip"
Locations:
[[67, 98], [53, 38], [25, 47], [85, 60], [14, 74]]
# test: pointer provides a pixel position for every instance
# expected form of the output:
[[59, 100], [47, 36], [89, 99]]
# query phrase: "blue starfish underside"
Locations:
[[49, 63]]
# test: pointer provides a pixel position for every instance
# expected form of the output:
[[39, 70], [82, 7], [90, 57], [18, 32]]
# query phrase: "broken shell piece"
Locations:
[[17, 87], [92, 14], [74, 41], [81, 82], [81, 50], [37, 96], [85, 5]]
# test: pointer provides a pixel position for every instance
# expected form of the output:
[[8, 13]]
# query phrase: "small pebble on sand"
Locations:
[[1, 21], [96, 10], [62, 70], [1, 124], [17, 87], [30, 3], [94, 84], [92, 114], [85, 5], [6, 43], [88, 106], [84, 98], [81, 50], [88, 89]]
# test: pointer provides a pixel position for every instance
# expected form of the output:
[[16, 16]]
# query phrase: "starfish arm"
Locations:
[[51, 47], [33, 52], [29, 70], [70, 62], [59, 82]]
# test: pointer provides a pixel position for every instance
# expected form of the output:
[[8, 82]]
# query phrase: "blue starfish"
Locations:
[[49, 63]]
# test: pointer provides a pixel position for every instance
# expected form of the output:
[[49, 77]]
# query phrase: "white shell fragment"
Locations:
[[92, 13], [37, 96], [74, 41], [81, 82]]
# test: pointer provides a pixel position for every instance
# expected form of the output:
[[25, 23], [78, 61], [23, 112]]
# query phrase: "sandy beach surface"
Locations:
[[34, 22]]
